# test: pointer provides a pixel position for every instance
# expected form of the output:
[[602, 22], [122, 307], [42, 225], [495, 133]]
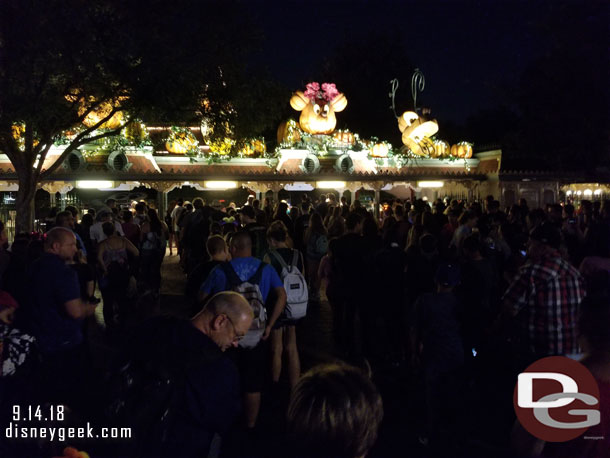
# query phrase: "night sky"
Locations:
[[471, 53]]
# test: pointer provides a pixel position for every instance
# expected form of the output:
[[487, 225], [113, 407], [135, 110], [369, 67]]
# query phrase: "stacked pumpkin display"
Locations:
[[181, 141]]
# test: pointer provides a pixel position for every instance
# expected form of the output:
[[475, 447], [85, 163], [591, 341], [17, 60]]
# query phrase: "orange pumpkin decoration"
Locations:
[[344, 136], [181, 142], [441, 148], [454, 150], [380, 150], [464, 150]]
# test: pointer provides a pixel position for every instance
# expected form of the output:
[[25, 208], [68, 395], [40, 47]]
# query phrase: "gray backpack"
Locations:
[[295, 286]]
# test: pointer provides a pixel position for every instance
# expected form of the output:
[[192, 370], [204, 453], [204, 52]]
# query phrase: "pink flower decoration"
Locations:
[[330, 91], [312, 90]]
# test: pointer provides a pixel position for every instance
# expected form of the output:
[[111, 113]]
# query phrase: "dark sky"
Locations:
[[471, 53]]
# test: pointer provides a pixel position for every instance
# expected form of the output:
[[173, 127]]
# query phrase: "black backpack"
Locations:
[[146, 390]]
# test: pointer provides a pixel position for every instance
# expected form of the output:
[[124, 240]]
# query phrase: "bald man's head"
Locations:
[[62, 242], [225, 318]]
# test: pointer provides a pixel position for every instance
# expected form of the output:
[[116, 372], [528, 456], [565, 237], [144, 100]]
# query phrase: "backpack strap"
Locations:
[[295, 259], [232, 277], [279, 259], [258, 275]]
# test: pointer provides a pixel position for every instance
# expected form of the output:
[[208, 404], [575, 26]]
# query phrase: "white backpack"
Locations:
[[295, 286]]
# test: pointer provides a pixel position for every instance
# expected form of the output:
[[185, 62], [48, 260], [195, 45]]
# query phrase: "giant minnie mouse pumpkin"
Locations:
[[318, 106]]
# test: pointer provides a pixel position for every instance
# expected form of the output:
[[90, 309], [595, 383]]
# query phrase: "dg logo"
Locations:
[[556, 399]]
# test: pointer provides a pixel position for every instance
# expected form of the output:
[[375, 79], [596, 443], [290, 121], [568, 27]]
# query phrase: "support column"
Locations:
[[52, 199], [62, 200]]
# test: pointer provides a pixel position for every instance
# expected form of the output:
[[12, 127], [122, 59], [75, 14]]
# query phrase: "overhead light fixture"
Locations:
[[430, 184], [220, 185], [298, 186], [597, 192], [330, 184], [92, 184], [588, 192], [568, 193]]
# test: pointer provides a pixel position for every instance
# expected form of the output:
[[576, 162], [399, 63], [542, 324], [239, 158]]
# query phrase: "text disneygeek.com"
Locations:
[[61, 433]]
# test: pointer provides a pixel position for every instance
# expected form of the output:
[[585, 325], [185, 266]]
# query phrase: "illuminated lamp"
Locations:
[[568, 192], [598, 192], [578, 193], [330, 184], [220, 185], [298, 186], [588, 193], [92, 184], [430, 184]]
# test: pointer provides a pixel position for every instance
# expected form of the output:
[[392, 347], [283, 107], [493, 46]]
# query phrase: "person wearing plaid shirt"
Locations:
[[544, 298]]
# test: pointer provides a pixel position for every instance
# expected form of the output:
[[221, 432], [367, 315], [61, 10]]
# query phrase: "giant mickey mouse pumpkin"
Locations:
[[318, 105]]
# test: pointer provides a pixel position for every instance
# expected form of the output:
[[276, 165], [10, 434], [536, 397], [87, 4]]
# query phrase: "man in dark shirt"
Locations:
[[54, 313], [218, 252], [210, 401], [348, 268], [257, 232]]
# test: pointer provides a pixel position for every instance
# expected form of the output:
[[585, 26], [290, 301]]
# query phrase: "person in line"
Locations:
[[189, 353], [113, 260], [284, 335], [53, 315], [218, 252], [153, 243], [130, 229], [543, 300], [245, 267], [335, 411], [316, 246]]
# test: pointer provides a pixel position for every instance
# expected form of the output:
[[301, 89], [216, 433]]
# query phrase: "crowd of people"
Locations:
[[449, 292]]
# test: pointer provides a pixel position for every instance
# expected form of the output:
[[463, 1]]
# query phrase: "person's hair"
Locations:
[[87, 219], [188, 206], [72, 209], [56, 235], [115, 211], [62, 217], [569, 209], [281, 210], [108, 228], [155, 222], [215, 244], [336, 228], [198, 203], [399, 211], [352, 220], [335, 411], [277, 231], [256, 204], [127, 216], [316, 226], [241, 241], [140, 207], [180, 201], [110, 201]]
